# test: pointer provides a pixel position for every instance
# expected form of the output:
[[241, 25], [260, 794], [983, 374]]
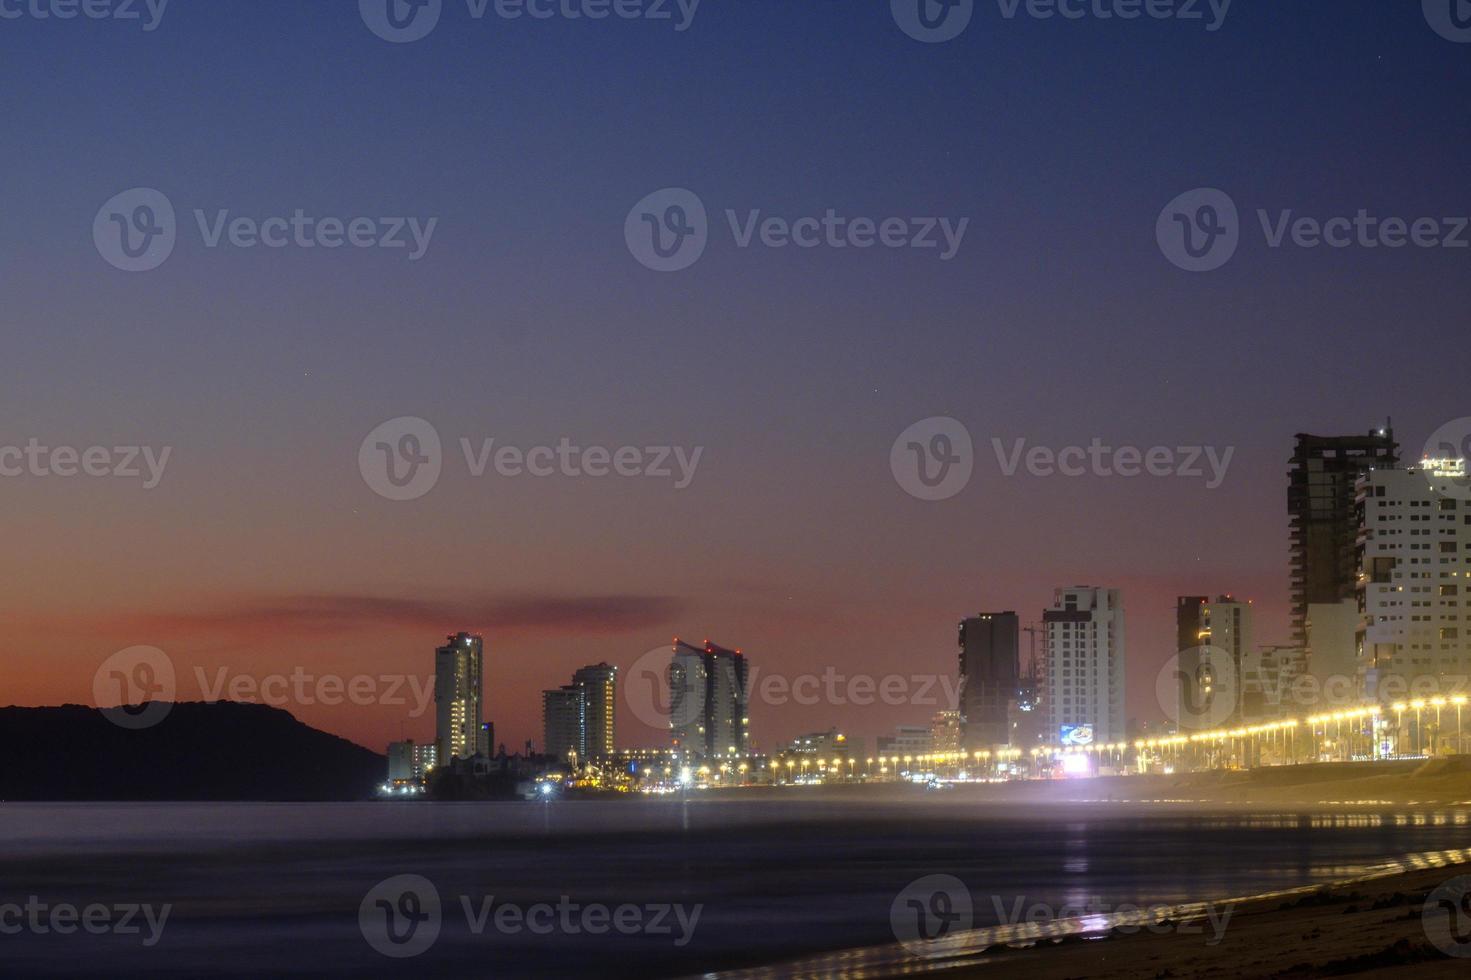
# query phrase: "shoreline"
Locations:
[[1366, 925]]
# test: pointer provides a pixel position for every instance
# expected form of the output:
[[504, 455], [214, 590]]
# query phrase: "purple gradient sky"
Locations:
[[528, 321]]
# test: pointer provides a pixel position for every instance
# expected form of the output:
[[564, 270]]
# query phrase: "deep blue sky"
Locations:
[[529, 320]]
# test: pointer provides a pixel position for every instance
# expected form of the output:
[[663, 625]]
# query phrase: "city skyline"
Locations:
[[1339, 544], [1057, 322], [870, 719], [671, 488]]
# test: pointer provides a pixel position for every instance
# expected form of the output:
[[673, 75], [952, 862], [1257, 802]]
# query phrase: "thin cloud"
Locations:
[[326, 615]]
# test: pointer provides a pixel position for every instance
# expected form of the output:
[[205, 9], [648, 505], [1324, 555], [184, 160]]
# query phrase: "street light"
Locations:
[[1399, 727]]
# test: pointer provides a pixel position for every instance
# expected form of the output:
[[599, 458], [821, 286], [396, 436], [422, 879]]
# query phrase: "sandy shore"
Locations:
[[1366, 929]]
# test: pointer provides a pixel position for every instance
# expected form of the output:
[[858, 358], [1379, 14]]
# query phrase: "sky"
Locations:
[[264, 550]]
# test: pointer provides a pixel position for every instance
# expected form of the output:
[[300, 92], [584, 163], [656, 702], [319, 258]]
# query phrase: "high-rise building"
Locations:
[[564, 722], [1320, 503], [1085, 664], [409, 761], [908, 740], [459, 698], [599, 684], [1223, 627], [989, 678], [1414, 572], [1028, 718], [708, 700], [578, 718], [946, 733], [1189, 620]]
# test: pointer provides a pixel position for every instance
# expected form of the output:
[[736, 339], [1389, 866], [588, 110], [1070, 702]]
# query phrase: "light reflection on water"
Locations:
[[968, 948], [778, 878]]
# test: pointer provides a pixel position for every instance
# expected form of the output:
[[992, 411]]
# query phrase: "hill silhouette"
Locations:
[[199, 751]]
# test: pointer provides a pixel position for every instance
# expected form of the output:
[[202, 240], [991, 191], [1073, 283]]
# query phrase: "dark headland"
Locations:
[[219, 751]]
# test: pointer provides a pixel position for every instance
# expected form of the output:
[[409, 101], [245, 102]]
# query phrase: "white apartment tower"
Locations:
[[1207, 629], [1414, 578], [1085, 661], [459, 698]]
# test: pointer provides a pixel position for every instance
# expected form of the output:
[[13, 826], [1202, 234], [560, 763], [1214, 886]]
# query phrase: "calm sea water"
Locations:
[[259, 889]]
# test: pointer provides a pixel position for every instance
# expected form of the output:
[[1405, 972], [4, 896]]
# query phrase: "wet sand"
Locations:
[[1369, 929], [1374, 926]]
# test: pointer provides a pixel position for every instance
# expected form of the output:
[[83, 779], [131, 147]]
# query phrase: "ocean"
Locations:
[[661, 887]]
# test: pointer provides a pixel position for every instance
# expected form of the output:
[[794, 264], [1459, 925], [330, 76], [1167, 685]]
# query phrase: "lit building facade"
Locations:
[[1085, 664], [577, 719], [564, 723], [409, 761], [946, 733], [1320, 504], [708, 703], [1414, 583], [1207, 629], [460, 731], [599, 684]]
